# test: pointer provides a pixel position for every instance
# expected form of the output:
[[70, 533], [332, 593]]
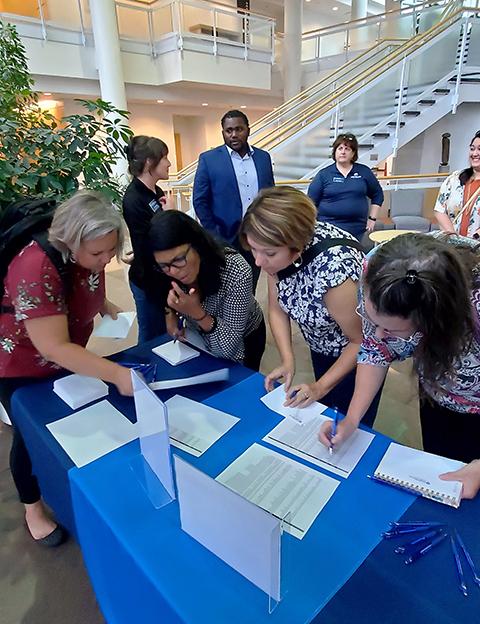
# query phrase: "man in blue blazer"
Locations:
[[227, 180]]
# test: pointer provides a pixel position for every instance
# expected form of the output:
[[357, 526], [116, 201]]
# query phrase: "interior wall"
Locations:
[[157, 120]]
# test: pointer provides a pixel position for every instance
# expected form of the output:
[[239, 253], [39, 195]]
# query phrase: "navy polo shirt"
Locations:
[[343, 200]]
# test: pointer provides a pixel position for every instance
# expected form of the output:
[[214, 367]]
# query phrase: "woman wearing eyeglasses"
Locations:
[[341, 191], [313, 271], [458, 203], [210, 288], [421, 299]]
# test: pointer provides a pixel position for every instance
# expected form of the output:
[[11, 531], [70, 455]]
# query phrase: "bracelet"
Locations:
[[372, 218], [201, 318]]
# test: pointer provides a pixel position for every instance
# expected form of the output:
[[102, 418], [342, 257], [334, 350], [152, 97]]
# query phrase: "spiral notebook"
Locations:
[[418, 472]]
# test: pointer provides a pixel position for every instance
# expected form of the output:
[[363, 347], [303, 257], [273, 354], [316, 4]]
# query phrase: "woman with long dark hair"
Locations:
[[458, 203], [210, 288], [147, 163], [421, 299]]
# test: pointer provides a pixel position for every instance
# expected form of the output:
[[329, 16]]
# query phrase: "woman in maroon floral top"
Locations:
[[44, 327]]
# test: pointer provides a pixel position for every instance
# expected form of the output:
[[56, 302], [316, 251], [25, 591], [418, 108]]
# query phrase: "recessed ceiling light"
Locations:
[[160, 101], [334, 8], [204, 103], [243, 106], [47, 94]]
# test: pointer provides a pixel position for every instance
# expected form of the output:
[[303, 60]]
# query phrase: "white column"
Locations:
[[108, 59], [292, 48], [358, 37]]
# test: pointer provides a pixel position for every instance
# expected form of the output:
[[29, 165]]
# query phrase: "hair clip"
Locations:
[[411, 276]]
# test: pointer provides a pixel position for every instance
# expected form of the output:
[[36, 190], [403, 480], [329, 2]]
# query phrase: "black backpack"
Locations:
[[22, 222]]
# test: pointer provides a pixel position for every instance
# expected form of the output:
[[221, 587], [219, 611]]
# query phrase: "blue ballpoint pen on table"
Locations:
[[476, 576], [414, 556], [404, 549], [461, 579], [334, 430]]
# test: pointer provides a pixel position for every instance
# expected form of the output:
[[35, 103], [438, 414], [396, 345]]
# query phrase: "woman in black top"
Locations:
[[148, 163], [210, 289]]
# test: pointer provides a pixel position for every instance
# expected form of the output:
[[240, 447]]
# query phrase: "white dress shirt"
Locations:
[[246, 175]]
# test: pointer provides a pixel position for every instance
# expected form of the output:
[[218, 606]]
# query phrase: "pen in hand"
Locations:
[[334, 430], [180, 327]]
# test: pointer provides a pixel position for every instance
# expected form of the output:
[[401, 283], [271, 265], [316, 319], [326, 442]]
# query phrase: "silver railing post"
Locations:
[[399, 106], [465, 27], [42, 19], [82, 24]]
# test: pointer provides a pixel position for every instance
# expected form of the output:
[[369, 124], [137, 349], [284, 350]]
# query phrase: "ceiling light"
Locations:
[[160, 101], [204, 103], [243, 106], [334, 8], [47, 94]]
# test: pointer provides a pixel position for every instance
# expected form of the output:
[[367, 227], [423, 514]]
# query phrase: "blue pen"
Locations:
[[334, 430], [404, 549], [411, 523], [180, 326], [461, 579], [398, 532], [414, 556], [469, 559]]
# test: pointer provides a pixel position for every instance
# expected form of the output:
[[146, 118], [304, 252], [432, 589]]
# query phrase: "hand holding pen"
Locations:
[[344, 429], [333, 432], [181, 324]]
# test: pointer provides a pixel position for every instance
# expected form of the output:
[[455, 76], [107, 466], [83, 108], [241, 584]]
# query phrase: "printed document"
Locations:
[[281, 486], [194, 427], [301, 440]]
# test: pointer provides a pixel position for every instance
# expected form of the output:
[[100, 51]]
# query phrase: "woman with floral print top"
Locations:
[[321, 296], [421, 299], [458, 203], [45, 325]]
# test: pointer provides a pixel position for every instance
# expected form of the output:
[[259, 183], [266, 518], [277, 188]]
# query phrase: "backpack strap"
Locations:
[[55, 258], [312, 252]]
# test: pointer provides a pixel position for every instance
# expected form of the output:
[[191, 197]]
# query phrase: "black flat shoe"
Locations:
[[58, 536]]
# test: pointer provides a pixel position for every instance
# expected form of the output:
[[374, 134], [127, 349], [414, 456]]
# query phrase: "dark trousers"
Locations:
[[251, 261], [341, 395], [20, 464], [150, 315], [255, 346], [448, 433]]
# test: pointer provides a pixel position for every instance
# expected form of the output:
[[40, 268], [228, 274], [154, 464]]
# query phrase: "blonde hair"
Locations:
[[280, 217], [85, 216]]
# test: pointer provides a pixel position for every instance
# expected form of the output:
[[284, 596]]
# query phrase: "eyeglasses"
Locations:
[[387, 334], [177, 263]]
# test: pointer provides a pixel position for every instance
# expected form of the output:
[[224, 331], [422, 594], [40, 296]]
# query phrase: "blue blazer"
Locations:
[[216, 198]]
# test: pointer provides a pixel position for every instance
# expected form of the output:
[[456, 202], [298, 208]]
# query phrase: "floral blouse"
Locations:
[[34, 289], [301, 295], [459, 392], [450, 202]]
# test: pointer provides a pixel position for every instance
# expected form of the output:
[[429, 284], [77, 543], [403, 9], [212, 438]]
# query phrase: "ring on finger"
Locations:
[[177, 300], [306, 395]]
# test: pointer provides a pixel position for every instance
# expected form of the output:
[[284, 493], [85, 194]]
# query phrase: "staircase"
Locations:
[[385, 97]]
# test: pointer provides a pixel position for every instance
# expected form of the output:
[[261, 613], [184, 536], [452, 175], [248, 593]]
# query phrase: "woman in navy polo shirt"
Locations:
[[341, 191]]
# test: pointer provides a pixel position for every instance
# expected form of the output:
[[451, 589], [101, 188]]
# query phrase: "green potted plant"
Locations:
[[41, 157]]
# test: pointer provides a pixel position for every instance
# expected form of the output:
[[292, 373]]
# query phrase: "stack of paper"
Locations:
[[288, 490], [93, 432], [118, 328], [175, 352], [194, 427], [78, 390], [301, 440]]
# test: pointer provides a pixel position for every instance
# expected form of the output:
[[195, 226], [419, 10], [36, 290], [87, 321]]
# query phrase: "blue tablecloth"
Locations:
[[145, 569], [35, 406]]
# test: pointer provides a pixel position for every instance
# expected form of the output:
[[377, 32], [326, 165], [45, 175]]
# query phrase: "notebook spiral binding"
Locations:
[[417, 489]]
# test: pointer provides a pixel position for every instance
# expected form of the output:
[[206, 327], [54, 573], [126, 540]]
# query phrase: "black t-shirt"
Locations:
[[139, 206]]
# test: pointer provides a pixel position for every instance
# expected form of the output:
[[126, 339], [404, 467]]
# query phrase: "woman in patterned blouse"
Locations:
[[321, 296], [210, 289], [421, 299], [45, 326]]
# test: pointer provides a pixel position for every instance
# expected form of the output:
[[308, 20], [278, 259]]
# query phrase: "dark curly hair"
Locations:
[[436, 297]]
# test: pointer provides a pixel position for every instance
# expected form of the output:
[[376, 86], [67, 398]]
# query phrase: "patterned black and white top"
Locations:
[[302, 294], [235, 308]]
